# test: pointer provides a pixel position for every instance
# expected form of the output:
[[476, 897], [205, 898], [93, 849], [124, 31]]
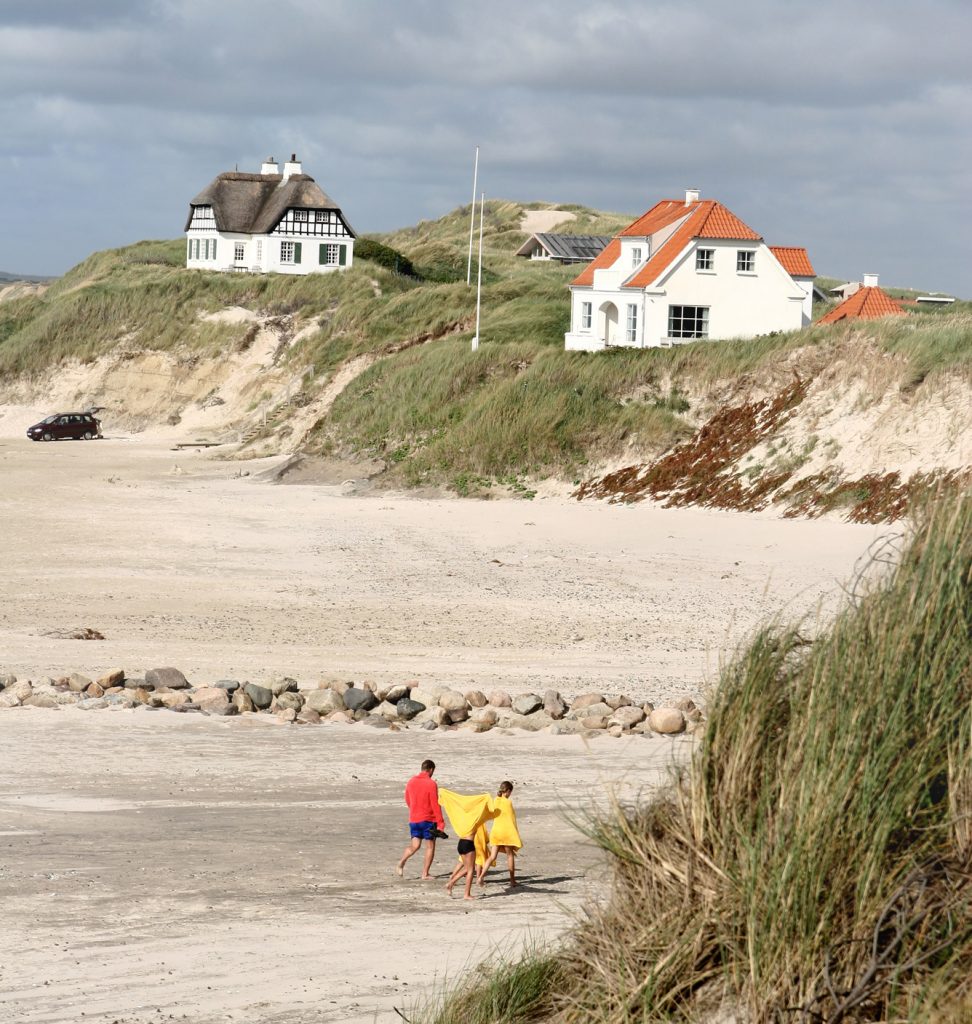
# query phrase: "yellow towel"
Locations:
[[504, 831], [468, 816]]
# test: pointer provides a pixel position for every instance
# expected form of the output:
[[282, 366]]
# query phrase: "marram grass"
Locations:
[[815, 862]]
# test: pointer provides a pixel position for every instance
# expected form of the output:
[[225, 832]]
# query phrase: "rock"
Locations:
[[242, 702], [427, 694], [500, 699], [428, 726], [337, 685], [407, 708], [594, 722], [78, 683], [527, 703], [667, 721], [168, 678], [21, 690], [135, 683], [376, 722], [113, 690], [388, 711], [626, 717], [614, 730], [393, 694], [434, 714], [616, 700], [262, 696], [283, 684], [40, 700], [95, 690], [685, 704], [531, 723], [286, 715], [288, 699], [458, 715], [476, 726], [110, 679], [308, 716], [565, 728], [356, 699], [323, 701], [484, 716], [92, 703], [7, 679], [367, 685], [211, 697], [8, 699], [141, 695], [598, 710], [476, 698], [227, 709], [123, 699], [45, 685], [648, 707], [452, 700], [229, 685], [174, 699], [554, 704], [341, 717], [70, 697], [586, 700]]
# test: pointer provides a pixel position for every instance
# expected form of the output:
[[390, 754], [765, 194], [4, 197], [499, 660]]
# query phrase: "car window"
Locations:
[[50, 419]]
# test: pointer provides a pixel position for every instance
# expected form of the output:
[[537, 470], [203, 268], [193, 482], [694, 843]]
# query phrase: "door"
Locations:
[[607, 326]]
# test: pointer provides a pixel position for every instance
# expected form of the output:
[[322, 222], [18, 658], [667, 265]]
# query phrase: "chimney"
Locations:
[[269, 166], [691, 196], [292, 166], [870, 280]]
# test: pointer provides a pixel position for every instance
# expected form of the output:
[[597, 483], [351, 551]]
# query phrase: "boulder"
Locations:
[[626, 717], [286, 715], [476, 698], [428, 726], [308, 716], [140, 695], [531, 723], [500, 699], [8, 699], [458, 715], [69, 697], [484, 716], [114, 689], [648, 707], [586, 700], [227, 709], [119, 700], [40, 700], [341, 717], [685, 704], [376, 722], [527, 703], [594, 722], [135, 683], [337, 685], [452, 700], [229, 685], [323, 701], [356, 699], [616, 700], [433, 714], [21, 690], [95, 690], [288, 699], [174, 698], [598, 710], [554, 704], [393, 694], [565, 728], [386, 710], [407, 708], [211, 697], [92, 703], [667, 721], [78, 683], [166, 678], [114, 678], [476, 726], [242, 702], [283, 684], [614, 730], [7, 679], [262, 696], [427, 694]]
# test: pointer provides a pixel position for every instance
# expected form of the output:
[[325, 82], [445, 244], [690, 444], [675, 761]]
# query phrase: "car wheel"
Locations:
[[47, 436], [88, 435]]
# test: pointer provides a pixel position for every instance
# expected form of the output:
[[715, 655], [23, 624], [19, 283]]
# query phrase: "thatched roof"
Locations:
[[254, 204]]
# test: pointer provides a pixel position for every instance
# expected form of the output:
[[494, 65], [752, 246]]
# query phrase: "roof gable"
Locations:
[[568, 247], [794, 260], [864, 304], [607, 259]]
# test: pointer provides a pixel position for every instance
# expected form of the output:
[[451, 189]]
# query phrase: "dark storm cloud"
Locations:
[[843, 128]]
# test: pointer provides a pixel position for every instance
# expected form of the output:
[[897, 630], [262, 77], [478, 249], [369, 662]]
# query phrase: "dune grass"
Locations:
[[813, 865]]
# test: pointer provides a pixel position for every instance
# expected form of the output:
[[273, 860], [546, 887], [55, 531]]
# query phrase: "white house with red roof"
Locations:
[[688, 270]]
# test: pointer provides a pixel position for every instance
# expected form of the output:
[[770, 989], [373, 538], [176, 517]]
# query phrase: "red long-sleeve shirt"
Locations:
[[422, 797]]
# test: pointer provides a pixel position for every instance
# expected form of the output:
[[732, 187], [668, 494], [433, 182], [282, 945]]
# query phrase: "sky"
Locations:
[[842, 126]]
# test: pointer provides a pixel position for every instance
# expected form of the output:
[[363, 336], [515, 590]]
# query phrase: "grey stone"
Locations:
[[7, 679], [323, 701], [476, 698], [626, 717], [616, 700], [309, 716], [393, 694], [242, 702], [8, 699], [67, 697], [531, 723], [40, 700], [554, 704], [93, 703], [428, 726], [428, 694], [78, 683], [452, 700], [135, 683], [226, 709], [288, 700], [229, 685], [586, 700], [169, 678], [407, 708], [118, 700], [376, 722], [356, 699], [590, 709], [262, 696], [527, 703], [283, 684]]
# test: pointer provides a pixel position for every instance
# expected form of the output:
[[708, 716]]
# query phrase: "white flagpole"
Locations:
[[472, 215], [479, 282]]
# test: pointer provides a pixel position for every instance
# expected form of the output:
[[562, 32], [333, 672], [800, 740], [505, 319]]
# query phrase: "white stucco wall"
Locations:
[[741, 304], [261, 253]]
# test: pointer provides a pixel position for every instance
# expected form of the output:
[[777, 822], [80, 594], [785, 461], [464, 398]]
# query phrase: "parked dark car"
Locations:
[[77, 425]]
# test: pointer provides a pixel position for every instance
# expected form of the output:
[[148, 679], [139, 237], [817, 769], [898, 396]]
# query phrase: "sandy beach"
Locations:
[[165, 867]]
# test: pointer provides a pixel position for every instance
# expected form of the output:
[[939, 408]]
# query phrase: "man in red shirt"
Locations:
[[425, 820]]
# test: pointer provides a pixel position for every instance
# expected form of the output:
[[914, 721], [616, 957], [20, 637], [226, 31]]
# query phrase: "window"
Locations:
[[300, 215], [322, 216], [586, 316], [238, 252], [259, 255], [286, 252], [632, 332], [636, 256], [746, 261], [688, 321], [331, 254], [704, 259]]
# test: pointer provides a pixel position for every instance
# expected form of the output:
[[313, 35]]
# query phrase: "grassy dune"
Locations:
[[813, 864]]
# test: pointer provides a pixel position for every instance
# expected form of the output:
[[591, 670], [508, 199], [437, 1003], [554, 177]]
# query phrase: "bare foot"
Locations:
[[426, 878], [448, 890], [467, 897], [400, 871]]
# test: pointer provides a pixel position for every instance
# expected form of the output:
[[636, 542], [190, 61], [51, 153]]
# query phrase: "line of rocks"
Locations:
[[395, 707]]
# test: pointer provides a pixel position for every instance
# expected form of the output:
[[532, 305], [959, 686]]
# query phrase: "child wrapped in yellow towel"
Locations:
[[504, 835], [468, 816]]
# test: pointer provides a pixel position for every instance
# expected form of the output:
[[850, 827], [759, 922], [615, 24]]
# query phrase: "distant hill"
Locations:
[[30, 278]]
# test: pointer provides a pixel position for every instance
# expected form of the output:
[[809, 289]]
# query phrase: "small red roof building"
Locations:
[[868, 303]]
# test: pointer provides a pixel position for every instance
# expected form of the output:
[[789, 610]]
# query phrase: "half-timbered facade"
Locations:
[[278, 222]]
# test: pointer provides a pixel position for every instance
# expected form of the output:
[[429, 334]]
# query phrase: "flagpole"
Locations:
[[472, 215], [479, 280]]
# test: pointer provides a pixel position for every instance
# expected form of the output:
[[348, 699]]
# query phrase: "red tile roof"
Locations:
[[703, 219], [794, 260], [864, 304]]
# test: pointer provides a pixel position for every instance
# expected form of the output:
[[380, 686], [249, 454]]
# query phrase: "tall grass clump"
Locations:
[[815, 862]]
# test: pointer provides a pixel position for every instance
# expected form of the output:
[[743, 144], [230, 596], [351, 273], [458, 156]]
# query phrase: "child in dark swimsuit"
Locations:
[[467, 865]]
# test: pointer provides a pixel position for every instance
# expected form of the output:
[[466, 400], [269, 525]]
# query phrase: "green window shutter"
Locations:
[[214, 248], [189, 250], [342, 255], [297, 246], [322, 254]]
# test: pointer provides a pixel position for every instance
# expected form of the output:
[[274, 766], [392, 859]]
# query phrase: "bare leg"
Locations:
[[511, 862], [469, 863], [454, 877], [429, 854], [488, 863], [411, 849]]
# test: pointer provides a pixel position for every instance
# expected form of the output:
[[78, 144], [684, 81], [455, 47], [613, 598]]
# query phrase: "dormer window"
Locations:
[[300, 214], [636, 256], [322, 216]]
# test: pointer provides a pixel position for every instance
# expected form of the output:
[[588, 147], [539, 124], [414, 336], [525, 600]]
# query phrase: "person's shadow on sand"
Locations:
[[527, 884]]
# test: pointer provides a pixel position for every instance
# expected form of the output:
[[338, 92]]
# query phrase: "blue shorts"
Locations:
[[422, 829]]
